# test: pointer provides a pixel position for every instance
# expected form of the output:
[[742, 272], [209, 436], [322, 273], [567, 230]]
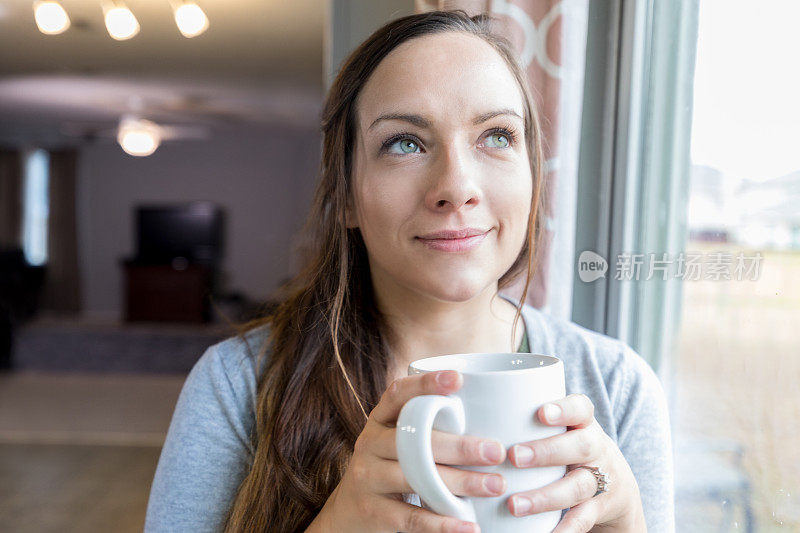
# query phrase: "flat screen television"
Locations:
[[192, 231]]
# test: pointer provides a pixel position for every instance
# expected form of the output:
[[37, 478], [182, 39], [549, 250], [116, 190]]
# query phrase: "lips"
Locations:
[[461, 240], [454, 234]]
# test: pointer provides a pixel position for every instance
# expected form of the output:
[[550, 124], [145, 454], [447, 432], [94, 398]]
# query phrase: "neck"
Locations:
[[423, 326]]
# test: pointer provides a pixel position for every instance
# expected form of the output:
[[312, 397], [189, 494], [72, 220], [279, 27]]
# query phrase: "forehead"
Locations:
[[451, 75]]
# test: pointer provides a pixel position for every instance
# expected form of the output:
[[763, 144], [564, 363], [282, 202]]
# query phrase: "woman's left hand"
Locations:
[[584, 443]]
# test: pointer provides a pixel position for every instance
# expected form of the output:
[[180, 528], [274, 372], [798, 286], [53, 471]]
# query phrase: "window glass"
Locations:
[[737, 414], [35, 207]]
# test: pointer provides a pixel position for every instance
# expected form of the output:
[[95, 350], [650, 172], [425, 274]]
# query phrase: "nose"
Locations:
[[453, 178]]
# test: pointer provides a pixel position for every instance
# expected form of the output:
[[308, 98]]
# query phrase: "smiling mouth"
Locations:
[[454, 233], [462, 244]]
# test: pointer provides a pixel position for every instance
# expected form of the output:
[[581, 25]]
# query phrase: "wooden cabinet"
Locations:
[[167, 294]]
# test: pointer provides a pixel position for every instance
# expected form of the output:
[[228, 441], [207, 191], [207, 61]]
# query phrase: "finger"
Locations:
[[412, 519], [579, 519], [448, 448], [386, 477], [576, 487], [403, 389], [576, 410], [576, 446]]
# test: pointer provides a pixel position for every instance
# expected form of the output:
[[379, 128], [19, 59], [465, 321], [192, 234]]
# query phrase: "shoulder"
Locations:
[[238, 357], [551, 331], [208, 448], [576, 345], [608, 370], [226, 377]]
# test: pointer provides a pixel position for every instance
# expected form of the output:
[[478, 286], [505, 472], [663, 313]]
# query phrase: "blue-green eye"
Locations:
[[503, 143], [407, 146]]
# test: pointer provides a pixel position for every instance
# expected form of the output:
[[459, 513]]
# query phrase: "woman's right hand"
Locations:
[[369, 497]]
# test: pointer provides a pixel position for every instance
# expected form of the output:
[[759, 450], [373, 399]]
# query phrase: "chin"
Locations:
[[456, 289]]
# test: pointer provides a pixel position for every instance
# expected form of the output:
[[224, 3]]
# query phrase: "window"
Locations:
[[35, 206], [737, 364], [689, 153]]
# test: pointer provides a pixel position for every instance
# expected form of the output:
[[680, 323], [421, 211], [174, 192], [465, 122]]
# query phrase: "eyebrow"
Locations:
[[422, 122]]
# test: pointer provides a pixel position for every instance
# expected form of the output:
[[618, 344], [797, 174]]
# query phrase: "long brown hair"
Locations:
[[327, 341]]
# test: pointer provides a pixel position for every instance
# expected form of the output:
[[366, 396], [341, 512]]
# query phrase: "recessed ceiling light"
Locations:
[[190, 19], [121, 23], [51, 19]]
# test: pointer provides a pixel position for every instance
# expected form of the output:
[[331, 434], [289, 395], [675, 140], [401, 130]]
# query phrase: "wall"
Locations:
[[263, 181]]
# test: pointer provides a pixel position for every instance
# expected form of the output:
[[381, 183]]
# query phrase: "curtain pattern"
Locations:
[[10, 199], [62, 285], [534, 28]]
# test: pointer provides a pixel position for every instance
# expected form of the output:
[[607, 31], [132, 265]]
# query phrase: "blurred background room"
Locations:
[[158, 157]]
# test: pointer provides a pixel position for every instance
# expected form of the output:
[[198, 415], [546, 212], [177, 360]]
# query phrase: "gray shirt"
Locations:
[[208, 450]]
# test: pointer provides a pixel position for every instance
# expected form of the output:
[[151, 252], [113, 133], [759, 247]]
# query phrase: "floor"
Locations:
[[78, 452]]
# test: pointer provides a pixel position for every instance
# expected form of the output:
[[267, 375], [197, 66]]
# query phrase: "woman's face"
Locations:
[[435, 151]]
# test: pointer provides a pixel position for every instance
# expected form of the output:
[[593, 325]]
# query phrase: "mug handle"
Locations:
[[418, 417]]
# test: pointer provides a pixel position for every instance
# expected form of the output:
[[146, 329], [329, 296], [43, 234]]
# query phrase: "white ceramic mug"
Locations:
[[499, 398]]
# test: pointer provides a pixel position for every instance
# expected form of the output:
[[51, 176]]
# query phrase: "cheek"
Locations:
[[384, 206], [371, 199], [375, 222], [514, 201]]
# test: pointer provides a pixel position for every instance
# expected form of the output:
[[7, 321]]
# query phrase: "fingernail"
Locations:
[[552, 412], [521, 504], [493, 483], [491, 451], [446, 378], [523, 455], [466, 527]]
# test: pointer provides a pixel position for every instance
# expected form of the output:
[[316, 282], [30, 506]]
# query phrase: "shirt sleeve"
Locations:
[[207, 451], [643, 436]]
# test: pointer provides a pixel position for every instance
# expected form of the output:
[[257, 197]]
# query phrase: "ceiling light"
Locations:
[[190, 19], [50, 17], [120, 22], [138, 137]]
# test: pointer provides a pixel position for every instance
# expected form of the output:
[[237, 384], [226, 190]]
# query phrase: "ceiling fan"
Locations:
[[137, 135]]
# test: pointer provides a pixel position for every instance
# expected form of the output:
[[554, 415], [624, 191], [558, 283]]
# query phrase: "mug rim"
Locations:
[[551, 361]]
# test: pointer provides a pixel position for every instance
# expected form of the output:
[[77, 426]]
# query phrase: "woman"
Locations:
[[428, 204]]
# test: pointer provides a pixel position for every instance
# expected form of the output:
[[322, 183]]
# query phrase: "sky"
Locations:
[[747, 88]]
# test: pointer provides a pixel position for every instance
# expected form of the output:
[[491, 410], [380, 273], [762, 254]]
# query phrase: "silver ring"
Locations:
[[602, 479]]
